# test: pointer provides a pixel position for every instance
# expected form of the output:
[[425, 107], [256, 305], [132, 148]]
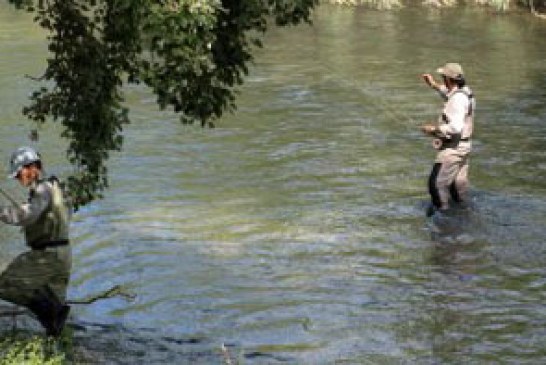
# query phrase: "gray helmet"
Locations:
[[20, 158]]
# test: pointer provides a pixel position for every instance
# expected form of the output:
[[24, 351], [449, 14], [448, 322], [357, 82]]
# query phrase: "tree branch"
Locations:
[[116, 291], [33, 78]]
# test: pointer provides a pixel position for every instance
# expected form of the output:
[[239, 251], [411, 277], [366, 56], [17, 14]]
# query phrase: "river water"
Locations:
[[295, 232]]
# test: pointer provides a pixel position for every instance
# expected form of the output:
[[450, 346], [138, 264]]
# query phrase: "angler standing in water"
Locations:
[[38, 279], [452, 138]]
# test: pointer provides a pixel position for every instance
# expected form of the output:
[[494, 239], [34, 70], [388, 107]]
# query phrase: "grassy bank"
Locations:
[[502, 5], [29, 350]]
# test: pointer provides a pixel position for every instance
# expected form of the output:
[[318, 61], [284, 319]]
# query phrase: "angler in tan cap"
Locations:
[[452, 135]]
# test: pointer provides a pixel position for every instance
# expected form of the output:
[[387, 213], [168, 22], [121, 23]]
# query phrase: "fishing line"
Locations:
[[379, 104], [7, 196]]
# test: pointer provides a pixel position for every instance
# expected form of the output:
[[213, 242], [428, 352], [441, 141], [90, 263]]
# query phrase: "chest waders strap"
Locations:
[[470, 97], [455, 139]]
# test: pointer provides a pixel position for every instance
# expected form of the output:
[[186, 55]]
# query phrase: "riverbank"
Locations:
[[537, 7], [30, 349]]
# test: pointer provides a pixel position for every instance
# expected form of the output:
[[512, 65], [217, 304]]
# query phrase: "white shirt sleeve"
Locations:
[[28, 213], [455, 111]]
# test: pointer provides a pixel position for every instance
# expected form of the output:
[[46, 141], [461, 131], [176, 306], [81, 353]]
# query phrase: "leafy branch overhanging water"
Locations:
[[191, 53]]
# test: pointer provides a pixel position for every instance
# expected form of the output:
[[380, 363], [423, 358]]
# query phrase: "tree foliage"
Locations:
[[191, 53]]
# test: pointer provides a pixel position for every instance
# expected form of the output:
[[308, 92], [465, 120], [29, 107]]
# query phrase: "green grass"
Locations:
[[34, 350]]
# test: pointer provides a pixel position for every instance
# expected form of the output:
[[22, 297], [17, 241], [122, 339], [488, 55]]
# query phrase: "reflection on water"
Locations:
[[294, 232]]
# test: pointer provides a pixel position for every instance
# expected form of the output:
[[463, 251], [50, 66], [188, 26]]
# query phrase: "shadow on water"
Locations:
[[92, 343], [95, 343], [115, 344]]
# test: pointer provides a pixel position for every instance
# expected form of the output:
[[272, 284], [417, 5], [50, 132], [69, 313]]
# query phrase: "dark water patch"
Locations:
[[107, 344], [262, 357]]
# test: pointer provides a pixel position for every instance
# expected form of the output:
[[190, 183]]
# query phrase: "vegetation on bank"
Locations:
[[29, 351], [502, 5]]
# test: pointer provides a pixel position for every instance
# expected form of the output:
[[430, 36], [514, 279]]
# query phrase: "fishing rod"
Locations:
[[381, 105], [12, 201]]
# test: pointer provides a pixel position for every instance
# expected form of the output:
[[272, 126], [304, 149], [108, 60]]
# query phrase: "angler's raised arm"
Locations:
[[439, 87]]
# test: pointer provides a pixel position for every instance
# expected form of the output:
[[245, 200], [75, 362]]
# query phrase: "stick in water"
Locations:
[[227, 358], [116, 291]]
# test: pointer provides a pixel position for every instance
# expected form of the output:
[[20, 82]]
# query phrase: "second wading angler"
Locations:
[[38, 279], [452, 138]]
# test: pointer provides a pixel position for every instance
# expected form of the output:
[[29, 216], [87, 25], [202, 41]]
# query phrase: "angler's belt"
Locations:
[[453, 143], [42, 245]]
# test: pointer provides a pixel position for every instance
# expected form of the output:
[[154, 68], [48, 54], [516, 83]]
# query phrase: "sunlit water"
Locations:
[[295, 231]]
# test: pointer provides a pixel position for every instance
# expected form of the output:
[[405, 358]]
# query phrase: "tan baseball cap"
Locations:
[[451, 70]]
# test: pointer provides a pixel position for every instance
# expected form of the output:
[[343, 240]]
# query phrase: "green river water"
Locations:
[[294, 232]]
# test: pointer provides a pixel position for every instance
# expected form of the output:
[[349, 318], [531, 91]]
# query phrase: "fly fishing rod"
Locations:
[[8, 197], [380, 105]]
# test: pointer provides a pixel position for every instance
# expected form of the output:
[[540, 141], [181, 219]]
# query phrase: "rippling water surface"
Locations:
[[295, 232]]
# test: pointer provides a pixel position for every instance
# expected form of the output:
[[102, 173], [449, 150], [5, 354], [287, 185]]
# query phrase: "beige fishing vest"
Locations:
[[468, 127]]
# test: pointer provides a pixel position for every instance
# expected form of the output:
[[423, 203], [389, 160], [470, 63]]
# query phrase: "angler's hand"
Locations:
[[429, 129], [428, 78]]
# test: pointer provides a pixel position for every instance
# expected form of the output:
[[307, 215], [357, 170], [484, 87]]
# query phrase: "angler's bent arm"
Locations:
[[29, 212]]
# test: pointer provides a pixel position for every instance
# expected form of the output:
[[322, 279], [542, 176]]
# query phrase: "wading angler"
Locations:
[[451, 137], [38, 279]]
